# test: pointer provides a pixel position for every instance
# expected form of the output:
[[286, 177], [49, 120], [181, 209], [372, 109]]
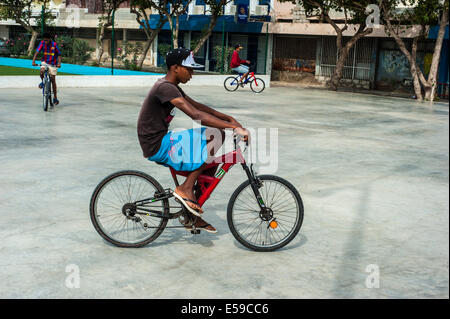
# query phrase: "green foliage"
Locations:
[[129, 54], [18, 46], [417, 12], [73, 50], [163, 49], [217, 55], [355, 10], [21, 11]]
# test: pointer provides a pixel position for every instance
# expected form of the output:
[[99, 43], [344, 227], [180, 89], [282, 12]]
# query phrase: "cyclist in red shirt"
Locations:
[[51, 58], [236, 64]]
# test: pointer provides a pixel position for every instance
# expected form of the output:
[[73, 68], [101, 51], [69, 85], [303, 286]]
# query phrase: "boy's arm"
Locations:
[[35, 55], [205, 118], [211, 111], [59, 55], [34, 58]]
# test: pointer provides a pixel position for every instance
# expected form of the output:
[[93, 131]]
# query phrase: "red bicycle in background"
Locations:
[[131, 209]]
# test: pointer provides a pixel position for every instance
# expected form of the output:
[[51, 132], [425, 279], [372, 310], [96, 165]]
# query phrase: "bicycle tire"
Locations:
[[259, 85], [98, 226], [228, 83], [47, 94], [265, 247]]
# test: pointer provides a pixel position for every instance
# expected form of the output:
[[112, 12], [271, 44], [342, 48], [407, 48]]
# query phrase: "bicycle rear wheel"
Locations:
[[231, 83], [270, 229], [115, 216], [257, 85]]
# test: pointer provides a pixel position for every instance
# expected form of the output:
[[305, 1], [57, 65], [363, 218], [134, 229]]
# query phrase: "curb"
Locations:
[[89, 81]]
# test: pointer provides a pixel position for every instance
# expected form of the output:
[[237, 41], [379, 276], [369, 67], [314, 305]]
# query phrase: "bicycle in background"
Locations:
[[232, 83], [46, 90]]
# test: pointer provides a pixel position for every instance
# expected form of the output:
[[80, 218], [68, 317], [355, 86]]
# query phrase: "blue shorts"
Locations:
[[183, 151], [241, 69]]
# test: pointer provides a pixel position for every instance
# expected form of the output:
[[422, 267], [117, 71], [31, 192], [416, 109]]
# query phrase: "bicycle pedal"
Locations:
[[195, 231]]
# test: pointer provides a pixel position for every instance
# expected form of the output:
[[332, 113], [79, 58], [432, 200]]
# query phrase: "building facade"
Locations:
[[277, 37]]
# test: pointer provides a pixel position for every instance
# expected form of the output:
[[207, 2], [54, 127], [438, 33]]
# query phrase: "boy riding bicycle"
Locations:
[[51, 58], [237, 65], [186, 150]]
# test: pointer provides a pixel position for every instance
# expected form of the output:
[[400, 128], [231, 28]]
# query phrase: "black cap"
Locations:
[[181, 56], [238, 45]]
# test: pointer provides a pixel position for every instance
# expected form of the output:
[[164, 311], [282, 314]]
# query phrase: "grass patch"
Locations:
[[11, 70]]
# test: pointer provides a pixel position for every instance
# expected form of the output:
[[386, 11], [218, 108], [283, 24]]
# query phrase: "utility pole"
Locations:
[[223, 44], [112, 42], [42, 19]]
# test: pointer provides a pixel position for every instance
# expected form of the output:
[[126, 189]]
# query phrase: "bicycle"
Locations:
[[232, 83], [46, 90], [131, 208]]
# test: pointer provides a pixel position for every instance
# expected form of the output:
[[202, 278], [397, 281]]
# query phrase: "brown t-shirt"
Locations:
[[156, 114]]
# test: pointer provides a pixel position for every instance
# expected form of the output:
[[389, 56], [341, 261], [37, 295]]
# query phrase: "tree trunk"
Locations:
[[343, 54], [175, 32], [146, 48], [34, 36], [99, 48], [415, 70], [433, 75], [205, 37]]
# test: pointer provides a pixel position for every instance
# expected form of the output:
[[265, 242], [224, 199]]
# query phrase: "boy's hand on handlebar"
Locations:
[[243, 133], [233, 121], [34, 63]]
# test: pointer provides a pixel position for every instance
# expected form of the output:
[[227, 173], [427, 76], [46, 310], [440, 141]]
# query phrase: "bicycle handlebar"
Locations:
[[237, 138]]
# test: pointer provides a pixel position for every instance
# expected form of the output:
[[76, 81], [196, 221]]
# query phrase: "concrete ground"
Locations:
[[373, 173]]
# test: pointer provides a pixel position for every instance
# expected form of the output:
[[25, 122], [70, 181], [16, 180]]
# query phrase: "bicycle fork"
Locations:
[[255, 184]]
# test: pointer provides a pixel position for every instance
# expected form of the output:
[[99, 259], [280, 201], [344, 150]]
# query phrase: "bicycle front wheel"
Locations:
[[257, 85], [115, 216], [231, 83], [47, 95], [273, 227]]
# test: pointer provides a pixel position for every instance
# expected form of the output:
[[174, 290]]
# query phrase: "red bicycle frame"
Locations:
[[207, 183]]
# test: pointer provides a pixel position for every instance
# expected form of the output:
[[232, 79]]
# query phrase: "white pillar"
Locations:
[[154, 57], [269, 54], [207, 56]]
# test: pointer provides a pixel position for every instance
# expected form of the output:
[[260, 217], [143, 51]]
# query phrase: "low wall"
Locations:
[[111, 81]]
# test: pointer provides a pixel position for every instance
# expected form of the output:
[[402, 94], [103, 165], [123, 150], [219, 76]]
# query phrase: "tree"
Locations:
[[104, 22], [355, 13], [141, 8], [419, 14], [216, 8], [21, 11], [173, 9]]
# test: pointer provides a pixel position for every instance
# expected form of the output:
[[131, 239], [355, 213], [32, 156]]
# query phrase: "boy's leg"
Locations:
[[53, 80], [214, 139]]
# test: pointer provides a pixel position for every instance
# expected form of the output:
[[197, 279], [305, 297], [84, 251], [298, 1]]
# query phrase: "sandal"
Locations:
[[206, 227], [185, 201]]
